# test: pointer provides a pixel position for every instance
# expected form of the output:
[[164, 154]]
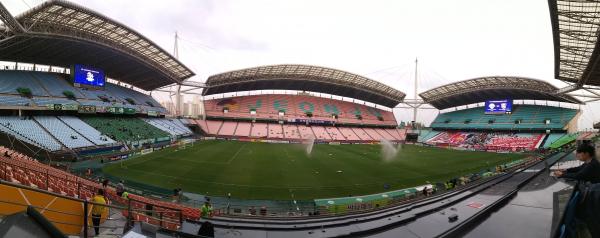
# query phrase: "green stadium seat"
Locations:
[[306, 107], [257, 104], [125, 129], [331, 109], [280, 105], [532, 117]]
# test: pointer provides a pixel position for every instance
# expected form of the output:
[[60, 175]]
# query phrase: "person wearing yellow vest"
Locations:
[[206, 210], [97, 209], [125, 195]]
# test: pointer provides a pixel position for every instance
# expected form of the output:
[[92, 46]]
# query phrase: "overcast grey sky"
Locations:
[[453, 40]]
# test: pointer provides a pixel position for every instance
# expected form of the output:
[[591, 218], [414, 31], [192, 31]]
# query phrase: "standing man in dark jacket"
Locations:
[[589, 171]]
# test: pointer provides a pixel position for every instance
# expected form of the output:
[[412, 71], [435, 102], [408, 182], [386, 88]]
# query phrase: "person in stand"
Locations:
[[120, 188], [97, 210], [125, 195], [176, 195], [105, 183], [206, 210], [589, 171]]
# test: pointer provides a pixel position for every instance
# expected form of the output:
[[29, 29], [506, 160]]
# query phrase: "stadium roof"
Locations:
[[62, 33], [576, 48], [305, 78], [496, 87]]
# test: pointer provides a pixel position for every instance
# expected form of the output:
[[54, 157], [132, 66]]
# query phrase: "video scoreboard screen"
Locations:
[[85, 76], [498, 106]]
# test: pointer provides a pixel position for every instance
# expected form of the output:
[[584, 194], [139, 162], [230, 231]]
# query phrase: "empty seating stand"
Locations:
[[362, 134], [297, 132], [213, 127], [259, 130], [373, 134], [320, 133], [86, 130], [44, 101], [10, 81], [125, 129], [385, 135], [55, 84], [14, 100], [65, 134], [306, 132], [275, 131], [243, 129], [523, 117], [172, 126], [125, 93], [284, 107], [335, 133], [349, 134], [27, 130], [228, 128], [291, 132], [52, 88]]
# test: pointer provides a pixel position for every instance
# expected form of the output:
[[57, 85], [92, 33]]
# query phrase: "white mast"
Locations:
[[178, 101], [415, 97]]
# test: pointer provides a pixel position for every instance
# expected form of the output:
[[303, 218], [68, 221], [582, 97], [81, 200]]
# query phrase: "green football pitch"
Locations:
[[284, 171]]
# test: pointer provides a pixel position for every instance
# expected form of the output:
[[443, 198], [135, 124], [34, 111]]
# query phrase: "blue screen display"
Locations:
[[498, 106], [87, 76]]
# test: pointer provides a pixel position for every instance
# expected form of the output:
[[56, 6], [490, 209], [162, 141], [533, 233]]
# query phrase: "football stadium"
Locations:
[[283, 150]]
